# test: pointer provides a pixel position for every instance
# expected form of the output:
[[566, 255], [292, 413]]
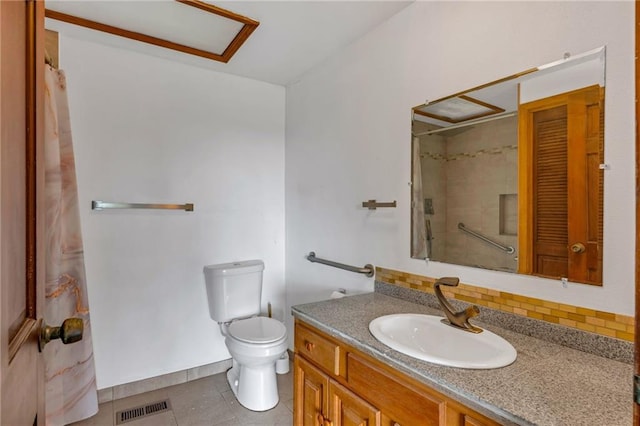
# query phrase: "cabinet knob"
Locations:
[[323, 421], [309, 345]]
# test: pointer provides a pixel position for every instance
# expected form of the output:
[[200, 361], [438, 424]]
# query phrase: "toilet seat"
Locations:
[[257, 330]]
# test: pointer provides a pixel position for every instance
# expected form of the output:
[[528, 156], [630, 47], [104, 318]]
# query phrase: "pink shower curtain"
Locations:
[[70, 374]]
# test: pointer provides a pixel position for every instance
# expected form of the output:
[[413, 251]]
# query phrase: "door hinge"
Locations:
[[636, 388]]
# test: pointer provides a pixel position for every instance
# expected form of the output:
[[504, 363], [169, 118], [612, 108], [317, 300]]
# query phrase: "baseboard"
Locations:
[[153, 383]]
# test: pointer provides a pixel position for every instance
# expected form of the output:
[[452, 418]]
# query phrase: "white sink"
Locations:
[[425, 337]]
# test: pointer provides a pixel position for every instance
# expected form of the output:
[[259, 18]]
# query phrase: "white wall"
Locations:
[[151, 130], [553, 81], [348, 138]]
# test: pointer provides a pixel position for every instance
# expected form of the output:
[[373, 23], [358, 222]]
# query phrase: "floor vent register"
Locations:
[[136, 413]]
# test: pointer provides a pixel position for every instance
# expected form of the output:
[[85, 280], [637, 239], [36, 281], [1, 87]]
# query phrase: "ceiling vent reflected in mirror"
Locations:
[[188, 26], [458, 109]]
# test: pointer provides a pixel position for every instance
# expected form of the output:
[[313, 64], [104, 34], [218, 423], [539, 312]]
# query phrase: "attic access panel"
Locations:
[[188, 26], [458, 109]]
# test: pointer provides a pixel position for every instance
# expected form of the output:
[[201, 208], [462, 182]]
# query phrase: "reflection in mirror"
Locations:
[[508, 176]]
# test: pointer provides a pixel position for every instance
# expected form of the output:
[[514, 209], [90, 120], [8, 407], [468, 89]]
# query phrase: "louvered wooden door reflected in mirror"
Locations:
[[561, 140]]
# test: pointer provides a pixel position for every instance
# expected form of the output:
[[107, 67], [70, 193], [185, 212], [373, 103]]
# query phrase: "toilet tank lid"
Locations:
[[235, 268]]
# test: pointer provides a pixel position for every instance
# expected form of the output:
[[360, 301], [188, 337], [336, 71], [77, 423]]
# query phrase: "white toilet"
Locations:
[[255, 343]]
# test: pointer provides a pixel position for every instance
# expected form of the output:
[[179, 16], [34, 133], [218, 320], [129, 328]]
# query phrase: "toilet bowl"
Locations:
[[255, 344], [234, 292]]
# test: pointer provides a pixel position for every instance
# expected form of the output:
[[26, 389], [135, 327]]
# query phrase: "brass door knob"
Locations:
[[578, 248], [69, 332]]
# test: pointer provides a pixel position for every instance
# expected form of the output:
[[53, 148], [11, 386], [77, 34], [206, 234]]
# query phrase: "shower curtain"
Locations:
[[71, 393], [419, 231]]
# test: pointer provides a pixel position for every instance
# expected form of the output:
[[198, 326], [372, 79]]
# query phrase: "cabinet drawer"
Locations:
[[320, 350], [398, 401]]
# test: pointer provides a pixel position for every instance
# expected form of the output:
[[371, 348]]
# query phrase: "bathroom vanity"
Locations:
[[336, 384], [344, 376]]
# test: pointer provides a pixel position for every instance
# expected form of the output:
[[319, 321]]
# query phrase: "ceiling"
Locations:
[[292, 38]]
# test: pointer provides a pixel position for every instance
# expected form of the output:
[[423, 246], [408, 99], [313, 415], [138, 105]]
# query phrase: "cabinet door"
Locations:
[[347, 409], [398, 400], [311, 392]]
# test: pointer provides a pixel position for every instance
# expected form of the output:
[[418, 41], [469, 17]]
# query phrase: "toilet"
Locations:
[[255, 343]]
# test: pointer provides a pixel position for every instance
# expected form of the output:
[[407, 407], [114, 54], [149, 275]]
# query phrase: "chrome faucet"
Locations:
[[455, 319]]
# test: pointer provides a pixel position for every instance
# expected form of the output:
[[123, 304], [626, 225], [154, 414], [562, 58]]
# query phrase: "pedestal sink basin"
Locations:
[[425, 337]]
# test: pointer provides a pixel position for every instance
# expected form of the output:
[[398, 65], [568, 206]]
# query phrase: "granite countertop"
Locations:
[[548, 384]]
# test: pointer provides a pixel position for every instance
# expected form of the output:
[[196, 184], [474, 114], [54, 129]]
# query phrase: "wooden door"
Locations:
[[21, 293], [561, 141], [311, 392], [636, 406], [348, 409]]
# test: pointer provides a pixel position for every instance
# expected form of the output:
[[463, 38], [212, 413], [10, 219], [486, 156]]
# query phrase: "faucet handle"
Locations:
[[450, 281], [472, 311]]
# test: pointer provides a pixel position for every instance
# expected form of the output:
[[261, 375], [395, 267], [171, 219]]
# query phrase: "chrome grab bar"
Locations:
[[102, 205], [508, 249], [368, 269]]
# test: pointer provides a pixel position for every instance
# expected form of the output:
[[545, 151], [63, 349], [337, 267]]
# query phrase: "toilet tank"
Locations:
[[234, 290]]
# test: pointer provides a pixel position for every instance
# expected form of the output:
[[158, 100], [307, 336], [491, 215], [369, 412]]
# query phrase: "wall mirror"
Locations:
[[508, 176]]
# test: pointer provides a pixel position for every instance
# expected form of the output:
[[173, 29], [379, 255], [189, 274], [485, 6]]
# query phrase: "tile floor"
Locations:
[[204, 402]]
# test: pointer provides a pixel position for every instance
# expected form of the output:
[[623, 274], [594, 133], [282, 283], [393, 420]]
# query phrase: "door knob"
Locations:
[[578, 248], [69, 332]]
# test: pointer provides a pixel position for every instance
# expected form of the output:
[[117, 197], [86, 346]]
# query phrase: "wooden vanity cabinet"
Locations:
[[337, 385], [320, 401]]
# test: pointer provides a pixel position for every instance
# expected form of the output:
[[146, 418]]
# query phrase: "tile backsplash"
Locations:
[[585, 319]]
